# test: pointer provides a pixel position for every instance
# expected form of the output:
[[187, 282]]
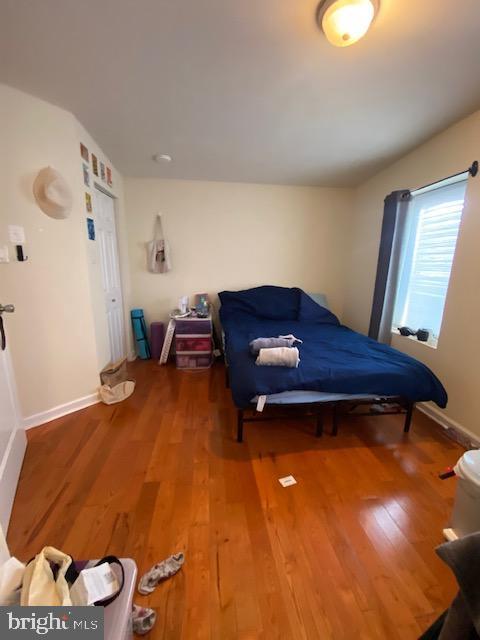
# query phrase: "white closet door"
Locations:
[[110, 270], [13, 441]]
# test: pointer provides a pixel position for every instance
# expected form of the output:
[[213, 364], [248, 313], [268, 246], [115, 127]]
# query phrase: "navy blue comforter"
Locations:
[[333, 358]]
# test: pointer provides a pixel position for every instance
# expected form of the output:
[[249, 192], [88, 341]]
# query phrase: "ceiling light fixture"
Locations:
[[162, 158], [344, 22]]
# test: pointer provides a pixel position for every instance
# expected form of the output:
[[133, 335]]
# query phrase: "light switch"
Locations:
[[4, 254], [16, 234]]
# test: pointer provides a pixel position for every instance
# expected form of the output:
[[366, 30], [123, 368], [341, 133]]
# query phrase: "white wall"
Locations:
[[233, 236], [456, 359], [55, 335]]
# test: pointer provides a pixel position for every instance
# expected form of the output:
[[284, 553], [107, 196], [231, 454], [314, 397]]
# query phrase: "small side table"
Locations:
[[193, 342]]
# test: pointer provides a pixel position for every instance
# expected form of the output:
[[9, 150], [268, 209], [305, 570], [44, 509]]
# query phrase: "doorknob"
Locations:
[[8, 308]]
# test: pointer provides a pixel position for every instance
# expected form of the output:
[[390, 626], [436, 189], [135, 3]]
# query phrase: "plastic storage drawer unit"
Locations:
[[193, 343]]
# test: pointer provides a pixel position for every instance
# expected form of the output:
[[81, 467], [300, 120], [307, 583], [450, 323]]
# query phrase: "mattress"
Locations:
[[333, 358]]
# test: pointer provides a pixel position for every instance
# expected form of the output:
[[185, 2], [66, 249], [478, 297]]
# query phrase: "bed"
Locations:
[[338, 367]]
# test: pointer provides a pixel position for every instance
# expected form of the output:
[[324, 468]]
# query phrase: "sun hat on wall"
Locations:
[[52, 193]]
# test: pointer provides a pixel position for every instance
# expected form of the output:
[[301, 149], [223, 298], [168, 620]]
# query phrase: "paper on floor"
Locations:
[[287, 481]]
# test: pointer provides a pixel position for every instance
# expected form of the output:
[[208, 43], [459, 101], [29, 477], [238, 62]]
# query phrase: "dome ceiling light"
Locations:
[[345, 22], [162, 158]]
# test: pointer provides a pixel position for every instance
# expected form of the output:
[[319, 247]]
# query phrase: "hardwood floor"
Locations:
[[348, 552]]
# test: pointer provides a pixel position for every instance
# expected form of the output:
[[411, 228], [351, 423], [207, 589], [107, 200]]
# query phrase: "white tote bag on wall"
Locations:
[[158, 251]]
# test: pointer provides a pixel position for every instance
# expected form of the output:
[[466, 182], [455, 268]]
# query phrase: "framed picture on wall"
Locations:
[[84, 152], [86, 176], [102, 171], [94, 164], [109, 177], [88, 202], [91, 228]]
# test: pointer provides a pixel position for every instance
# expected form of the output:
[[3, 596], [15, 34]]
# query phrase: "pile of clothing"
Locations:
[[276, 352]]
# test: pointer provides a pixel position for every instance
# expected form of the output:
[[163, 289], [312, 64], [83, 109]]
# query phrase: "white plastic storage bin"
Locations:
[[118, 615], [466, 510]]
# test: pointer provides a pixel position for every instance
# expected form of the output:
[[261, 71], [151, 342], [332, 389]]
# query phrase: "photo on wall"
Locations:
[[88, 202], [84, 152], [91, 228], [102, 171], [94, 164], [109, 177], [86, 176]]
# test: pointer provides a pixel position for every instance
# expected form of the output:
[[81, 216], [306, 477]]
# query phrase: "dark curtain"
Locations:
[[394, 216]]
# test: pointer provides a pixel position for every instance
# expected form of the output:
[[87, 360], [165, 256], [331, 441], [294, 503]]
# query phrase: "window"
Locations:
[[428, 247]]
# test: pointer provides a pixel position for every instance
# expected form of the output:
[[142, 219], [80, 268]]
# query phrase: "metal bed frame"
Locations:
[[315, 410]]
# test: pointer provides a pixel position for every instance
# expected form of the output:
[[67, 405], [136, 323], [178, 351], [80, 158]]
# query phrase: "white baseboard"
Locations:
[[448, 423], [62, 410]]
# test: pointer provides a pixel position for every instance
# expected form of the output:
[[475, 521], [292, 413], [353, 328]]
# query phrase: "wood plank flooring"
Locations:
[[346, 553]]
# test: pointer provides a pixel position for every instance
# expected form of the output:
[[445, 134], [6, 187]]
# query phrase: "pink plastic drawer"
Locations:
[[184, 343], [201, 361], [193, 326]]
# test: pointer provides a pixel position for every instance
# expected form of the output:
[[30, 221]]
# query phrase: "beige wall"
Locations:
[[232, 236], [56, 335], [456, 360], [223, 235]]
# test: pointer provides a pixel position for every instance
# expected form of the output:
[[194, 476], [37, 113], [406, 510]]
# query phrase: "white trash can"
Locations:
[[466, 510]]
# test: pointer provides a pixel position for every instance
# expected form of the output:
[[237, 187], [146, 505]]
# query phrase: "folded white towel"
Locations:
[[278, 357]]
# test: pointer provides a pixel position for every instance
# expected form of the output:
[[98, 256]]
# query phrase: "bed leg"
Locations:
[[319, 423], [240, 425], [408, 416], [335, 420]]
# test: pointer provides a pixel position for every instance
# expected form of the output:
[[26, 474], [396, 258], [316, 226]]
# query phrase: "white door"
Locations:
[[110, 268], [12, 438]]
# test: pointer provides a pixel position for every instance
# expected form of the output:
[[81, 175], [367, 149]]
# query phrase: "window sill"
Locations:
[[432, 343]]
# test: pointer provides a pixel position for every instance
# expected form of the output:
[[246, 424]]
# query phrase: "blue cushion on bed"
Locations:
[[269, 302]]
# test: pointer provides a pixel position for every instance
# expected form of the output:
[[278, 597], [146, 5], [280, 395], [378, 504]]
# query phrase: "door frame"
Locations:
[[16, 446], [99, 187]]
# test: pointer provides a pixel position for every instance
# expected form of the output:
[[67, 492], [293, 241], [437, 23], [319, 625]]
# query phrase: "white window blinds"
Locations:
[[428, 247]]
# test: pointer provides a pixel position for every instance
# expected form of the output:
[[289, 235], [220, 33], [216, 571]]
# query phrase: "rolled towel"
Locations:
[[278, 357], [270, 343]]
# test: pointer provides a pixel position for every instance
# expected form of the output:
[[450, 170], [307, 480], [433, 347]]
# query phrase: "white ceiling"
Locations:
[[246, 90]]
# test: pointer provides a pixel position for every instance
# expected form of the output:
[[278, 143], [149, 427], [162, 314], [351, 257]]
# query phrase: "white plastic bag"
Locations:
[[11, 576], [40, 588]]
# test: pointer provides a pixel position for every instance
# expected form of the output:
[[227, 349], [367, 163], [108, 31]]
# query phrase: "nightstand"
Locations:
[[193, 342]]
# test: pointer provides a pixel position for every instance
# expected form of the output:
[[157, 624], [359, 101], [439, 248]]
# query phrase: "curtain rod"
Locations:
[[472, 170]]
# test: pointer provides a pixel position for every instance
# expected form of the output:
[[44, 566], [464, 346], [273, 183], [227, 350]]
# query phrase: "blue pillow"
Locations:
[[273, 303]]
